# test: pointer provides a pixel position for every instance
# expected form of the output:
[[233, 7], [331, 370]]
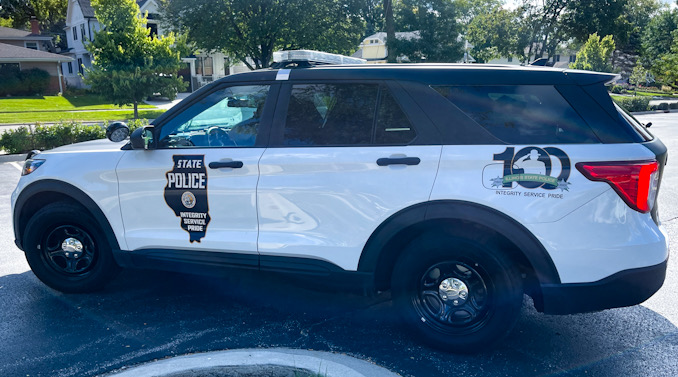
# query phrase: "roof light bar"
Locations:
[[314, 57]]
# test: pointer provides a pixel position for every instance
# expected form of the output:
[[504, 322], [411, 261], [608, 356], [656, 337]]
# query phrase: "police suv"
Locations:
[[458, 187]]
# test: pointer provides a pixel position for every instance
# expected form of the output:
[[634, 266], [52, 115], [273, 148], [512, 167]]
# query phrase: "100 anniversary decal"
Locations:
[[530, 168], [186, 194]]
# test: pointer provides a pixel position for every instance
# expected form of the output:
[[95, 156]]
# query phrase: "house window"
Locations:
[[510, 59], [32, 45], [573, 58], [153, 29], [75, 33], [204, 66], [70, 67], [82, 31], [556, 58], [81, 69]]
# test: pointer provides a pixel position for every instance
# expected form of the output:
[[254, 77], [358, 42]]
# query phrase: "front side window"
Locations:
[[344, 114], [75, 33], [32, 45], [226, 118], [521, 114]]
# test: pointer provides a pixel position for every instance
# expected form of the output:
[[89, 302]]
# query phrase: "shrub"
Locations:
[[667, 89], [35, 81], [27, 82], [617, 89], [633, 104], [25, 139]]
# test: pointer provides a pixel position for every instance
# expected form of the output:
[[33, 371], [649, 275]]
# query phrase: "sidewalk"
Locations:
[[166, 105]]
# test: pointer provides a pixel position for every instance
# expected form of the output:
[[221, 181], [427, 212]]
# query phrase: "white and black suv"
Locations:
[[458, 187]]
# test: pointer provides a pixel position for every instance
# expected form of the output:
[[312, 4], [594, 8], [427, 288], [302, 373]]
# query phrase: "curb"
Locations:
[[325, 363], [654, 112], [12, 157]]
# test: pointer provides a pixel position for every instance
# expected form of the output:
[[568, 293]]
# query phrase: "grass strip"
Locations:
[[90, 116], [60, 103]]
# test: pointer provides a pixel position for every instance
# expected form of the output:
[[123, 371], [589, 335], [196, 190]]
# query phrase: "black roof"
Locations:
[[440, 74]]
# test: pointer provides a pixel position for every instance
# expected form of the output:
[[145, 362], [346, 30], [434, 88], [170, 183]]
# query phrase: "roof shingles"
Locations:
[[10, 53]]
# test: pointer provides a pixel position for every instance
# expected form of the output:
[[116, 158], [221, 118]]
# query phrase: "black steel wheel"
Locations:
[[67, 250], [457, 295]]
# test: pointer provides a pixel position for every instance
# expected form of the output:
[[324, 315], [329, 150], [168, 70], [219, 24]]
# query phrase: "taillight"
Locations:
[[636, 182]]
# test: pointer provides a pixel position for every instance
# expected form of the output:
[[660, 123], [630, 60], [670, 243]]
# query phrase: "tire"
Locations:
[[67, 250], [455, 294]]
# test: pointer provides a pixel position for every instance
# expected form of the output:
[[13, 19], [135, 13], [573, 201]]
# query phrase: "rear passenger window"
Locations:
[[521, 114], [344, 114]]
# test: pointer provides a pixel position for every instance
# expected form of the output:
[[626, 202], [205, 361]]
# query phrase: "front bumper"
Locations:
[[625, 288]]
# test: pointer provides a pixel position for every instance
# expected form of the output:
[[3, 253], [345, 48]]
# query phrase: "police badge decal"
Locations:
[[186, 194]]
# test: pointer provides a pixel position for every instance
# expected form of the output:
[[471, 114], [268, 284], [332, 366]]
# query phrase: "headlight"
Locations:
[[30, 165]]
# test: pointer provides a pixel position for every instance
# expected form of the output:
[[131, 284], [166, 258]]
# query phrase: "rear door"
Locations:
[[344, 156]]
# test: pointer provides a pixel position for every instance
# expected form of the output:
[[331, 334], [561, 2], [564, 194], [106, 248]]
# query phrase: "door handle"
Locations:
[[225, 164], [398, 161]]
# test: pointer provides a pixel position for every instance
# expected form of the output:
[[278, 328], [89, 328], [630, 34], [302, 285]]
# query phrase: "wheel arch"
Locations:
[[458, 218], [43, 192]]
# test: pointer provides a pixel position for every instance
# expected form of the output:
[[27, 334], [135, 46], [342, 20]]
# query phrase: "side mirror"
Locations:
[[117, 132], [142, 138]]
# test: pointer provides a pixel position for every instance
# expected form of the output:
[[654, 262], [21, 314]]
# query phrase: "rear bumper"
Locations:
[[625, 288]]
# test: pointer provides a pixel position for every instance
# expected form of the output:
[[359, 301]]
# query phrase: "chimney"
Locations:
[[35, 26]]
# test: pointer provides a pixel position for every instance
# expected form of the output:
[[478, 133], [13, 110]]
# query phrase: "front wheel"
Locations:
[[457, 295], [67, 250]]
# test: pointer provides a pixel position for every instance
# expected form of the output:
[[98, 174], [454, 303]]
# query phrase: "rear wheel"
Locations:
[[67, 250], [457, 295]]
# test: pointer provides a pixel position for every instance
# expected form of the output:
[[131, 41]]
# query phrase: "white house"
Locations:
[[374, 50], [81, 24]]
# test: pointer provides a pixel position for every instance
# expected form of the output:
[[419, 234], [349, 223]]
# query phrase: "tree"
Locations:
[[436, 22], [391, 42], [50, 13], [667, 66], [129, 65], [596, 54], [641, 76], [494, 34], [657, 39], [250, 30]]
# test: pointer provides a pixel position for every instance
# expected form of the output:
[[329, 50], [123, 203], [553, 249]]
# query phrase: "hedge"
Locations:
[[20, 83], [25, 139], [633, 104]]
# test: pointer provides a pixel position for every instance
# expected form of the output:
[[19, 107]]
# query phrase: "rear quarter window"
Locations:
[[521, 114]]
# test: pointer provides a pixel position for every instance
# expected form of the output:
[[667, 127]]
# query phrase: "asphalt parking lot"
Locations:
[[144, 316]]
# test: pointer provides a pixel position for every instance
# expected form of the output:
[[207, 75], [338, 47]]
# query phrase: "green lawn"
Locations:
[[52, 117], [652, 94], [59, 103]]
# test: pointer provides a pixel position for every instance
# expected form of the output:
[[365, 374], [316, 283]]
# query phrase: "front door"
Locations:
[[196, 189]]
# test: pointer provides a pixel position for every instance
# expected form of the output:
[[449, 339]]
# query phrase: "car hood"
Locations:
[[102, 145]]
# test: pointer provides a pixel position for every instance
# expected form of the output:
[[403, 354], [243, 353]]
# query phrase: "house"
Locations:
[[374, 50], [81, 25], [27, 39], [561, 59], [25, 50]]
